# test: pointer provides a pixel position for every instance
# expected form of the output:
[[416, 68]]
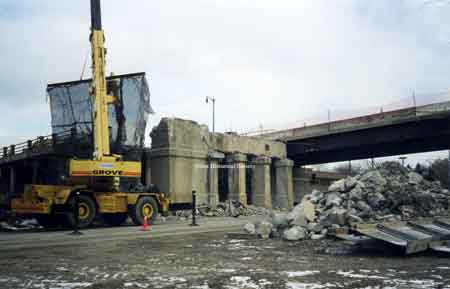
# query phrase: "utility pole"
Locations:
[[210, 98]]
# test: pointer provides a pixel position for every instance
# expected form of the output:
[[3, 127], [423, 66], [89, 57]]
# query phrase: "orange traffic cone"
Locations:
[[145, 225]]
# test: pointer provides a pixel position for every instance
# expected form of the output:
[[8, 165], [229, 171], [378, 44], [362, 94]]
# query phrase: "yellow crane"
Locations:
[[95, 181]]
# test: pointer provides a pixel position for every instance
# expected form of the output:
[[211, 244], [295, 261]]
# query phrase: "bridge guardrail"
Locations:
[[37, 146]]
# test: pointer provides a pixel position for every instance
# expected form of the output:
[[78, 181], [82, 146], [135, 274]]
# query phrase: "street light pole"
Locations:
[[214, 111]]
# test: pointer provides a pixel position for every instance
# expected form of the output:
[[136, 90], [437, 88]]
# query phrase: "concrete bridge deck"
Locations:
[[409, 130]]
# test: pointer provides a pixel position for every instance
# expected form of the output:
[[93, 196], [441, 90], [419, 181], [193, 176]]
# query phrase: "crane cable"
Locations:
[[85, 63]]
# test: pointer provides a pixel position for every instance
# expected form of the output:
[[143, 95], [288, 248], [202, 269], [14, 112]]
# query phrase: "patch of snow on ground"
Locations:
[[246, 258], [136, 284], [242, 282], [298, 285], [63, 285], [226, 270], [426, 283], [291, 274], [264, 282], [362, 276], [234, 241], [204, 286]]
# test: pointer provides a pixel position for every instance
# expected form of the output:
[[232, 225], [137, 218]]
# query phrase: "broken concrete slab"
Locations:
[[302, 213], [264, 229], [295, 233], [280, 220], [250, 228], [333, 199]]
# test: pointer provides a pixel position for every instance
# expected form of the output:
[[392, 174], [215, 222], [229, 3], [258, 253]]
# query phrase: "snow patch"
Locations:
[[242, 282], [136, 284], [362, 276], [291, 274], [298, 285]]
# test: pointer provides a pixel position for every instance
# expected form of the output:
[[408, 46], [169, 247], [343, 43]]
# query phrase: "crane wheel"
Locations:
[[146, 206], [86, 212], [115, 219]]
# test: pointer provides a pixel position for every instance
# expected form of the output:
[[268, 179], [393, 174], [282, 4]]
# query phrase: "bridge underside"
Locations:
[[410, 137]]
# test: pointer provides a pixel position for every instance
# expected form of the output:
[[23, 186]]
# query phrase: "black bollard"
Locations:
[[194, 208], [76, 229]]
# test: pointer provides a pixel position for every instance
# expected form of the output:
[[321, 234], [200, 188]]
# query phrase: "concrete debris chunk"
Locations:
[[354, 219], [314, 227], [280, 220], [295, 233], [336, 216], [318, 236], [264, 229], [302, 213], [250, 228], [315, 196], [333, 199], [363, 206], [337, 186], [19, 224], [350, 183], [414, 178]]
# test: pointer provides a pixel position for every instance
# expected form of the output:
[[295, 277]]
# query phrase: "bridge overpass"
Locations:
[[410, 130]]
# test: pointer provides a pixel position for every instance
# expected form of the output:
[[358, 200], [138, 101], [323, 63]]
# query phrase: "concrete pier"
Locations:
[[261, 182], [283, 184], [213, 177], [236, 177]]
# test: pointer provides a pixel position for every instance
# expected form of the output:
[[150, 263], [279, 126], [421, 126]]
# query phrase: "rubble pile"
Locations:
[[226, 209], [232, 209], [388, 193]]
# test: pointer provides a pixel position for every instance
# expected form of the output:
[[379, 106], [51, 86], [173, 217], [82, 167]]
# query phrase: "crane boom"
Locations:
[[103, 163], [98, 86]]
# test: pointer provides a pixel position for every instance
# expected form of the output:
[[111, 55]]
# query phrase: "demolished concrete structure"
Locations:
[[389, 193], [185, 156], [306, 180]]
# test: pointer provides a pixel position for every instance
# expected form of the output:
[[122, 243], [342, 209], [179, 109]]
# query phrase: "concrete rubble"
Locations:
[[225, 209], [389, 193], [19, 224], [232, 209]]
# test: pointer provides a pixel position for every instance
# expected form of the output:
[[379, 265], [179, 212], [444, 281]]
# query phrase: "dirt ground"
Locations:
[[213, 260]]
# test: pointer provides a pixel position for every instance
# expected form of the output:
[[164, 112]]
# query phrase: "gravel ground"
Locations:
[[211, 260]]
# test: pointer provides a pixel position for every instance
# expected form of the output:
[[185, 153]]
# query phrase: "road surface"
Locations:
[[178, 256]]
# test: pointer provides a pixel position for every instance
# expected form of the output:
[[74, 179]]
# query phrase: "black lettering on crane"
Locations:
[[114, 173]]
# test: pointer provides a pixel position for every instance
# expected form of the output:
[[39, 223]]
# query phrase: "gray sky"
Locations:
[[269, 63]]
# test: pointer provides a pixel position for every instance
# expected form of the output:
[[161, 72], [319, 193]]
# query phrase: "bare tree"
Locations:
[[347, 169], [438, 170]]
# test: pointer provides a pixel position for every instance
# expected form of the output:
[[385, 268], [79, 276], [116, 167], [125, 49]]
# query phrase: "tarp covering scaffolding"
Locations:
[[71, 107]]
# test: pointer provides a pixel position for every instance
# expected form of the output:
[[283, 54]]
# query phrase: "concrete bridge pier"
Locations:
[[236, 177], [213, 177], [283, 195], [261, 182]]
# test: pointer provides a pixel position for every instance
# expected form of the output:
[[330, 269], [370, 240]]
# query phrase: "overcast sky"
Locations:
[[268, 63]]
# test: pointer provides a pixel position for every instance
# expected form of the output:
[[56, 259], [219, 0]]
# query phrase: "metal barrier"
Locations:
[[40, 145]]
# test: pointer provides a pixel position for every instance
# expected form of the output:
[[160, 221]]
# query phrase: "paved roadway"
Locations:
[[28, 240]]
